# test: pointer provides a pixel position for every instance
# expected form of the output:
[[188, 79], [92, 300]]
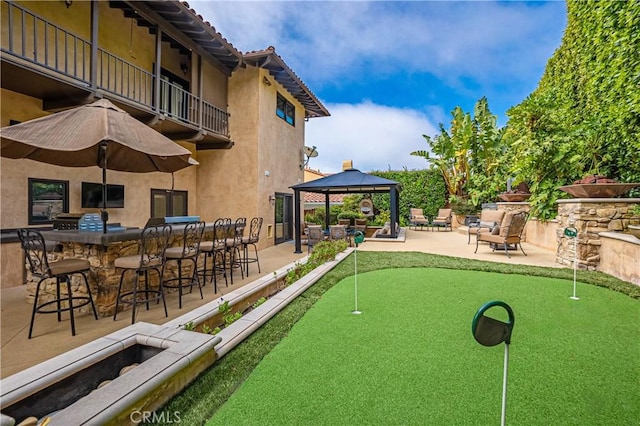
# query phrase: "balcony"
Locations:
[[45, 61]]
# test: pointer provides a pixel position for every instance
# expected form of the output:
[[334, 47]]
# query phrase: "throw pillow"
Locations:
[[504, 226]]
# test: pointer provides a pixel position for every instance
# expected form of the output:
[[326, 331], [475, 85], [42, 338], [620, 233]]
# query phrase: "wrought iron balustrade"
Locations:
[[32, 38], [36, 40]]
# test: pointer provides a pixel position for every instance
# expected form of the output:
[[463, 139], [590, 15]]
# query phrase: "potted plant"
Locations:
[[521, 193]]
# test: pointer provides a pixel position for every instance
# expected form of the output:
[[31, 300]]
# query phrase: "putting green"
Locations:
[[410, 358]]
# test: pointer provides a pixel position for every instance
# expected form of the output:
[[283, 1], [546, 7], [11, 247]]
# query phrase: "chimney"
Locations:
[[347, 164]]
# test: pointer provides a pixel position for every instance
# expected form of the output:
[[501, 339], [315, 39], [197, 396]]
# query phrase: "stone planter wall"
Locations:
[[590, 216], [619, 256], [542, 234]]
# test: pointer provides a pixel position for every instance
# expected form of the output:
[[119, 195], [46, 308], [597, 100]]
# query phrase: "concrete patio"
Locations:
[[52, 338]]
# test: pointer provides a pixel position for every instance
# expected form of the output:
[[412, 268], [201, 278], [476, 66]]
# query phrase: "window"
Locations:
[[168, 203], [285, 110], [47, 199]]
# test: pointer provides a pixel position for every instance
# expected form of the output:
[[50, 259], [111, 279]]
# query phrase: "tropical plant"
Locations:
[[469, 155]]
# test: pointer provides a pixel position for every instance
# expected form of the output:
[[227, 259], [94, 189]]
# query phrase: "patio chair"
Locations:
[[151, 257], [252, 239], [489, 220], [510, 233], [215, 249], [339, 232], [35, 251], [442, 220], [360, 225], [190, 251], [234, 247], [315, 234], [417, 218]]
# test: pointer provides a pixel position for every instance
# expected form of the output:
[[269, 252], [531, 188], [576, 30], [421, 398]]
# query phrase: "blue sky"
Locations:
[[389, 72]]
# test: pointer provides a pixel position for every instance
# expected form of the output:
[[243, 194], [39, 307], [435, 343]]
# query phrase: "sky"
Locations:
[[389, 72]]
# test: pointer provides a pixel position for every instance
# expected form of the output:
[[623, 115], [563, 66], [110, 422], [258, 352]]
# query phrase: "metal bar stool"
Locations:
[[36, 253], [252, 239], [192, 235], [151, 257], [233, 246], [215, 249]]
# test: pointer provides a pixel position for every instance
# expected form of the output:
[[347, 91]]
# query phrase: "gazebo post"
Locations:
[[326, 210], [296, 202]]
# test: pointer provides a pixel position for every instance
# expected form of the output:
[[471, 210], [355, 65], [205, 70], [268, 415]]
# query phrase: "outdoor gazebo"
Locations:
[[348, 181]]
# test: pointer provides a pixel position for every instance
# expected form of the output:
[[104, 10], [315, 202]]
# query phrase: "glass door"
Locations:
[[283, 217]]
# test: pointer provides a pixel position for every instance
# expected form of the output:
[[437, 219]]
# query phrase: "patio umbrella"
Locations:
[[97, 134]]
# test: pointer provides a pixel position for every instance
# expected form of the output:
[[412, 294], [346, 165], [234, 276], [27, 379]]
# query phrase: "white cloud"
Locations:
[[374, 137], [324, 41]]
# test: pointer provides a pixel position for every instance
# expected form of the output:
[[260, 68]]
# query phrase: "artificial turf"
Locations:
[[410, 358]]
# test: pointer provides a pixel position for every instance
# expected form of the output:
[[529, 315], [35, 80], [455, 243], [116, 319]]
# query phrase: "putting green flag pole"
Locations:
[[572, 232], [358, 237], [490, 332]]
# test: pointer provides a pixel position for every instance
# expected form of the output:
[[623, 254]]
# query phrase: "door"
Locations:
[[168, 203], [283, 217]]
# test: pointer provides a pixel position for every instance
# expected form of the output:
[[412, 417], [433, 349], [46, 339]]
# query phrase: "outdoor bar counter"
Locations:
[[101, 250]]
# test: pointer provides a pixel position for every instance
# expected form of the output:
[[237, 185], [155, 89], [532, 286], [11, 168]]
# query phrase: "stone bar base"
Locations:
[[590, 217], [103, 277]]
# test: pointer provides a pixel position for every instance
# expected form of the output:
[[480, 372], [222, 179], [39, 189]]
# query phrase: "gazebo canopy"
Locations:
[[348, 181]]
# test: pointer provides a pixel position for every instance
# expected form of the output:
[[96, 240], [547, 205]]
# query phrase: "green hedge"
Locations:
[[584, 117], [424, 189]]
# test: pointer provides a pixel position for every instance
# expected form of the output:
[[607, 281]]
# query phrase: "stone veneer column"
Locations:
[[515, 205], [590, 216]]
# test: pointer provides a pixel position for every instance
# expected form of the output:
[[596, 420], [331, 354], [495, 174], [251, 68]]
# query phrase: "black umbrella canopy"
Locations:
[[348, 181], [97, 134]]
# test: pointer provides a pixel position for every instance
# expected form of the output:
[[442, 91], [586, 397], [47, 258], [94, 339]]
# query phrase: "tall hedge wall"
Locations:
[[584, 117], [423, 189]]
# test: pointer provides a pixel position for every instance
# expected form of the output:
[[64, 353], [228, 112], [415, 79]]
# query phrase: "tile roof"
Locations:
[[272, 62], [210, 42], [314, 197]]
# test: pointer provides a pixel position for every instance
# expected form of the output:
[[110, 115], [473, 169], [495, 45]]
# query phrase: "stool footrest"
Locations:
[[85, 301]]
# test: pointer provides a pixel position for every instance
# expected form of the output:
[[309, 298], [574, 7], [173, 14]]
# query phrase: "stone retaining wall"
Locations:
[[590, 217]]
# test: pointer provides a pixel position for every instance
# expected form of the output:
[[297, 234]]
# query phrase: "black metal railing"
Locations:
[[33, 39]]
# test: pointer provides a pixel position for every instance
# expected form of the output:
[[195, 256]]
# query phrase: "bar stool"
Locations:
[[234, 246], [192, 235], [215, 249], [35, 250], [252, 239], [151, 257]]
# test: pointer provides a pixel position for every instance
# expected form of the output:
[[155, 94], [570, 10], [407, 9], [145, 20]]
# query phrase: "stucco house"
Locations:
[[242, 115]]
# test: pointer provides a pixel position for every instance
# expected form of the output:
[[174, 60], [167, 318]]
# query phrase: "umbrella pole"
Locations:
[[104, 215]]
